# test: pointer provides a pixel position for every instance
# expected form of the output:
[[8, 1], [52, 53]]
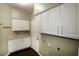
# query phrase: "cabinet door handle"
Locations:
[[62, 29], [37, 38], [57, 29]]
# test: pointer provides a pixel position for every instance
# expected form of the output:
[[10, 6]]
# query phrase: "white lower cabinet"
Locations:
[[57, 46], [19, 44], [61, 21]]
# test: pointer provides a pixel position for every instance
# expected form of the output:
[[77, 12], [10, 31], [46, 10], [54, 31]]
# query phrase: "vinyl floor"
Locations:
[[25, 52]]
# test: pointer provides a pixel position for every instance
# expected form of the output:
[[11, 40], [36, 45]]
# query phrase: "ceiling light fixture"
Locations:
[[24, 3], [39, 7]]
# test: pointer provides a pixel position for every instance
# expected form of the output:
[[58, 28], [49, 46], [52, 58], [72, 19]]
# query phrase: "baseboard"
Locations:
[[19, 49], [15, 51], [39, 54], [8, 54]]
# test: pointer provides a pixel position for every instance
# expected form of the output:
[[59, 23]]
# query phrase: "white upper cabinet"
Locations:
[[20, 25], [62, 20], [44, 22], [69, 20], [54, 17], [20, 20]]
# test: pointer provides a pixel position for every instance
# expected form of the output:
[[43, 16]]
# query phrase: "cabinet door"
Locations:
[[44, 22], [43, 46], [62, 46], [54, 17], [69, 19], [20, 25], [57, 46]]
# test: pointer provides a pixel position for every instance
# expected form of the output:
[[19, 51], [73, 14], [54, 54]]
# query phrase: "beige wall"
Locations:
[[3, 41], [7, 13]]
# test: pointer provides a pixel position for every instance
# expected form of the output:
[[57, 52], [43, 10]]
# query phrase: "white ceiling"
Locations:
[[40, 7], [26, 7], [30, 7]]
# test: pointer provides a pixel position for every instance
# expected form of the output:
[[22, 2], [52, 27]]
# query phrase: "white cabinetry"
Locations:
[[69, 20], [54, 18], [44, 22], [19, 44], [20, 25], [61, 20]]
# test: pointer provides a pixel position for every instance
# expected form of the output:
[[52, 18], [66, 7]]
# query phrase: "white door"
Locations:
[[78, 21], [44, 22], [69, 20], [35, 31], [54, 17]]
